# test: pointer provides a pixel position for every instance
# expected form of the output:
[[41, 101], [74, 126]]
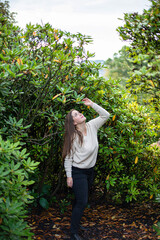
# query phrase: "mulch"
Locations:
[[106, 221]]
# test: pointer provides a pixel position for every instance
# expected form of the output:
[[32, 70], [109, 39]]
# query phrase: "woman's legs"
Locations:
[[82, 178]]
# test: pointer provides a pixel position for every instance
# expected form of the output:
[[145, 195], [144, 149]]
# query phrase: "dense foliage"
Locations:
[[15, 166], [142, 31], [45, 72], [15, 163]]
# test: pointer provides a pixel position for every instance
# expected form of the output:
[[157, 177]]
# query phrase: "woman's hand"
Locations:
[[69, 182], [87, 102]]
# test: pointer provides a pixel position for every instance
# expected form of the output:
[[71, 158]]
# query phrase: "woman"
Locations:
[[79, 153]]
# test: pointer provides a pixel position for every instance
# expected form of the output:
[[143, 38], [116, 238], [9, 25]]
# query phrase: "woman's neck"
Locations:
[[82, 128]]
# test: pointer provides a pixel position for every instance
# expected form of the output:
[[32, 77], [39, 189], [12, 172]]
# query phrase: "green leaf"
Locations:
[[44, 203]]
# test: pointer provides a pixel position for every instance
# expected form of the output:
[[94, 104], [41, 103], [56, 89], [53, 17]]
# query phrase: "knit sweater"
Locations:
[[85, 156]]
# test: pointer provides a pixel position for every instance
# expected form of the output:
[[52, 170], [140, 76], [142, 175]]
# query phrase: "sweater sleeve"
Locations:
[[68, 165], [103, 116]]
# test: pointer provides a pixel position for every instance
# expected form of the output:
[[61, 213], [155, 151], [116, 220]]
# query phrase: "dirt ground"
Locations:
[[134, 222]]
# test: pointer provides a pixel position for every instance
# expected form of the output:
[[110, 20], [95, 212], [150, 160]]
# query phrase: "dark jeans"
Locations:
[[82, 181]]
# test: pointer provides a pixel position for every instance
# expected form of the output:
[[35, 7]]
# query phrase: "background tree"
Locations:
[[142, 31], [119, 67]]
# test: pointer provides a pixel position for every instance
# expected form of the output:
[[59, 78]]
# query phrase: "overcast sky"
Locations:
[[97, 18]]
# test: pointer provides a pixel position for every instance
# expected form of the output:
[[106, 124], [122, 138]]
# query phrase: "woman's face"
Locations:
[[77, 117]]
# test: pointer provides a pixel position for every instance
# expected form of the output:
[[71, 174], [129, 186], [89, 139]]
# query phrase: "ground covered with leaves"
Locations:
[[105, 221]]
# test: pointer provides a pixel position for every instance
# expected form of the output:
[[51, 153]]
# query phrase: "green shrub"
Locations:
[[15, 165], [40, 83], [127, 165]]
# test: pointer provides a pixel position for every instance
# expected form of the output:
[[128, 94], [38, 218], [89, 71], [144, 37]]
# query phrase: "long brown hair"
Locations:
[[69, 135]]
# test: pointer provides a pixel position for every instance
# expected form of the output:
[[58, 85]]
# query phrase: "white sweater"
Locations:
[[85, 156]]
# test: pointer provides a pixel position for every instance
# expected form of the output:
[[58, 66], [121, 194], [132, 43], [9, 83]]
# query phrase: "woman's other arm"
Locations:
[[68, 169], [103, 114]]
